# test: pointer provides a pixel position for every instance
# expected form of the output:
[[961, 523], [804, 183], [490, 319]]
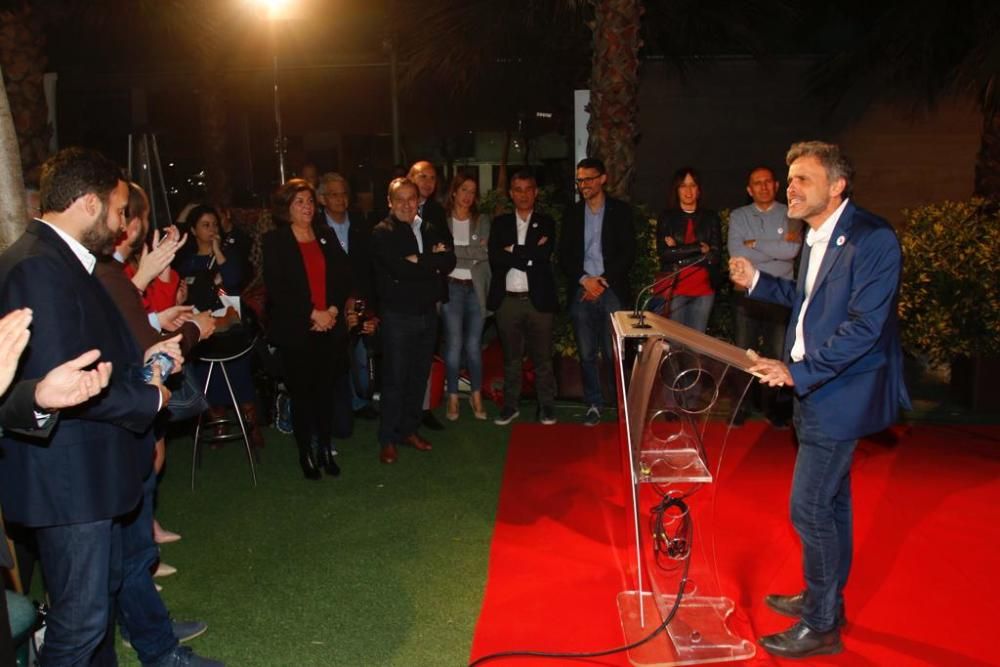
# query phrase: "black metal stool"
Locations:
[[217, 351]]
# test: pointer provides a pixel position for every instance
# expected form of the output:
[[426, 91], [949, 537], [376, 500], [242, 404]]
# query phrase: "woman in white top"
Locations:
[[467, 284]]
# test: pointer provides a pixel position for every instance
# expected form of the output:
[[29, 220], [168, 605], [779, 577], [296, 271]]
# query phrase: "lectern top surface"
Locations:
[[662, 327]]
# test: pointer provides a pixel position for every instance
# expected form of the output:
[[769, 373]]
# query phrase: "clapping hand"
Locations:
[[154, 262], [69, 384], [174, 316], [14, 335]]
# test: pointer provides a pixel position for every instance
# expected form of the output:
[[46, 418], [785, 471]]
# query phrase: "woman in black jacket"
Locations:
[[307, 288], [688, 240]]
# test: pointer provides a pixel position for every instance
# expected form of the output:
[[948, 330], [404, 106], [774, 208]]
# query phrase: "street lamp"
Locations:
[[276, 10]]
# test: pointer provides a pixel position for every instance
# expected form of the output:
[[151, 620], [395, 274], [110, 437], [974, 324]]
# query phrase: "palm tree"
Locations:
[[12, 209], [614, 90], [22, 57], [200, 24], [537, 49]]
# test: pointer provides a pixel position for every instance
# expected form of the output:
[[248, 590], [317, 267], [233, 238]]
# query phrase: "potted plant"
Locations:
[[949, 304]]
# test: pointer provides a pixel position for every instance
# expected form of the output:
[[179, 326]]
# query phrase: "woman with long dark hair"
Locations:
[[205, 271], [688, 239], [307, 288], [465, 310]]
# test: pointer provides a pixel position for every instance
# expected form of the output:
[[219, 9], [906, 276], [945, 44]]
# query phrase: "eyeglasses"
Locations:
[[587, 179]]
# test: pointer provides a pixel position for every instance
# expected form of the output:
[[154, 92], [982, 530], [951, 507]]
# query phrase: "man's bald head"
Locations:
[[424, 175]]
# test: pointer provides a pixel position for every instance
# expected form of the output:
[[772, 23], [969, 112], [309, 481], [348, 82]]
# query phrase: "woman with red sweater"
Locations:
[[688, 239], [307, 288]]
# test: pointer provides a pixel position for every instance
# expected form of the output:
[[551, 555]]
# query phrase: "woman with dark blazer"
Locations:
[[688, 242], [308, 283]]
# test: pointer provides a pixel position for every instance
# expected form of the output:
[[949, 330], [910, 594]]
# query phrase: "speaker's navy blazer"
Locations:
[[852, 372], [92, 466]]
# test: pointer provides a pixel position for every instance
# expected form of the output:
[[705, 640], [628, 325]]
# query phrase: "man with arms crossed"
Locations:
[[410, 259], [763, 233], [523, 296], [843, 360]]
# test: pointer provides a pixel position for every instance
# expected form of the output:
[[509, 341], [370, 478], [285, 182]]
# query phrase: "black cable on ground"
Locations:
[[688, 537]]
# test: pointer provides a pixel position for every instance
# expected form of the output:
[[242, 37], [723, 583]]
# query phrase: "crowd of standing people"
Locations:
[[89, 274]]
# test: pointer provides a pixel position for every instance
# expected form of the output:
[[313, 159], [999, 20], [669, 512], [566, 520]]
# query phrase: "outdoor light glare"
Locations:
[[275, 8]]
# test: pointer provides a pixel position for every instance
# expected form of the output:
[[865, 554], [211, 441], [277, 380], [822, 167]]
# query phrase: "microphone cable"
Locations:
[[685, 534]]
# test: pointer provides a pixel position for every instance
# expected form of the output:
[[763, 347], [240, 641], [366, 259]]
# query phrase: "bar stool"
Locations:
[[218, 351]]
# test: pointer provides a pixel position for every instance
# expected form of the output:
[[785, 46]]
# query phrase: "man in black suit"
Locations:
[[523, 296], [354, 241], [90, 471], [596, 253], [63, 387], [411, 257]]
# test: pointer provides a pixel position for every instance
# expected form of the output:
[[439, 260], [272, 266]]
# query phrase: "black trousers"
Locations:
[[316, 375], [522, 326], [407, 351]]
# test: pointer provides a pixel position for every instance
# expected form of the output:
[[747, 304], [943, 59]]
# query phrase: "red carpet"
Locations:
[[927, 532]]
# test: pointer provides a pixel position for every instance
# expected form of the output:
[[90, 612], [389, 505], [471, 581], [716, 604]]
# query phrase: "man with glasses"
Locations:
[[596, 253]]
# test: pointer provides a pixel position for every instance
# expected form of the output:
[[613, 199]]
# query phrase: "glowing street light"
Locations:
[[276, 9]]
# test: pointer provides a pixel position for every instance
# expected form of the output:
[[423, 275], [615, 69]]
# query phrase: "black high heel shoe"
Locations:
[[308, 462], [327, 461]]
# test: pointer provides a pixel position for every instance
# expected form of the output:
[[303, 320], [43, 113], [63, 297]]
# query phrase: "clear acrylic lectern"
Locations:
[[678, 390]]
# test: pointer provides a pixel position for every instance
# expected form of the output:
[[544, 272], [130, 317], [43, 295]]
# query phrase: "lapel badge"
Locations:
[[780, 230], [841, 239], [475, 237], [534, 224], [323, 241]]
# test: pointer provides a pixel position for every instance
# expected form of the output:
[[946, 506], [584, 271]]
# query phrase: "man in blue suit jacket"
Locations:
[[71, 487], [843, 360]]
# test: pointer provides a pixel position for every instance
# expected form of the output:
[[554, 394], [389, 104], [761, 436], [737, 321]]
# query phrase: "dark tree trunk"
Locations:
[[22, 57], [614, 90]]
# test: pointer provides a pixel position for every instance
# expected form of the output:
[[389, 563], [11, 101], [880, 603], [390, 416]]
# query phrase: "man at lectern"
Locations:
[[843, 360]]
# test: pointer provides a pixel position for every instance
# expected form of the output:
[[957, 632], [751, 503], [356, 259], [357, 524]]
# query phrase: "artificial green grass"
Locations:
[[384, 565]]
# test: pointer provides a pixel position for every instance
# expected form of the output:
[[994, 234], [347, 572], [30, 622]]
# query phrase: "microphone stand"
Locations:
[[640, 313]]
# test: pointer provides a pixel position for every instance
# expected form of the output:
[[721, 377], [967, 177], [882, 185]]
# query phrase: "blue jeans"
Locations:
[[692, 311], [144, 617], [592, 326], [821, 513], [463, 332], [407, 350], [81, 564]]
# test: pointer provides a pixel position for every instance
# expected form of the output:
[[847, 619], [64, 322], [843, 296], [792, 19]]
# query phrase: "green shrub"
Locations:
[[950, 294]]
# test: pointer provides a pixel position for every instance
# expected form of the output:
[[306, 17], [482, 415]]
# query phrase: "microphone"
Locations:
[[638, 312]]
